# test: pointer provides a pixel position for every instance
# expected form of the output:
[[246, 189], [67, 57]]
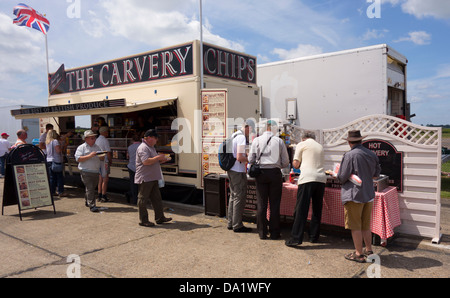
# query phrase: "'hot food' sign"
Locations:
[[391, 161]]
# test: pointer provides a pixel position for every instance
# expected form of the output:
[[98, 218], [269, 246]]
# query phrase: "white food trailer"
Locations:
[[328, 90], [165, 84]]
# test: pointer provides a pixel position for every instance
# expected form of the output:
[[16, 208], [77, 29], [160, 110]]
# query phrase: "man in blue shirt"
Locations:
[[358, 199]]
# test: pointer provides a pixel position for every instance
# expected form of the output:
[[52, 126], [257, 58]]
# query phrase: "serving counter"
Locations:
[[385, 212]]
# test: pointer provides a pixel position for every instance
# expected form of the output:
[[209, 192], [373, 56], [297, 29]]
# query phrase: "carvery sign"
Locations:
[[167, 63]]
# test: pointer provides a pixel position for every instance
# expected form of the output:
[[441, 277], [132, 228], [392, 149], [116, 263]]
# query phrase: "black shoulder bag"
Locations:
[[255, 169]]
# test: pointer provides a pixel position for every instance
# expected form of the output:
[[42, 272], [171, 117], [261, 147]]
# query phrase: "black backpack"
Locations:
[[226, 158]]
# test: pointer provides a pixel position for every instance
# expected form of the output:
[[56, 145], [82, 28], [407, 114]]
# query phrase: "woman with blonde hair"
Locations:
[[55, 162]]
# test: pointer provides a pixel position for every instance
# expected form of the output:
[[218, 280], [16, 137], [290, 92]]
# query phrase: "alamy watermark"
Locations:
[[374, 9], [74, 269], [74, 9], [374, 270]]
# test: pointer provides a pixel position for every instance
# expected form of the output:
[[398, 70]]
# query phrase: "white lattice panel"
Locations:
[[382, 125]]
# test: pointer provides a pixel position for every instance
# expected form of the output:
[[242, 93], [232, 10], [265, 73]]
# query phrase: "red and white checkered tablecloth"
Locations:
[[385, 212]]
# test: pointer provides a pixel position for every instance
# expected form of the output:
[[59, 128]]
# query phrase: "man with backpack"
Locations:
[[237, 176]]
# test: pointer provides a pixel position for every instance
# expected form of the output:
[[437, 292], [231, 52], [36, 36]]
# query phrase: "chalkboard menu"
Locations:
[[391, 161], [26, 179], [250, 201]]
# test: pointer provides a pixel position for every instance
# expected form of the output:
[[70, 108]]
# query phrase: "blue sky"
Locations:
[[84, 32]]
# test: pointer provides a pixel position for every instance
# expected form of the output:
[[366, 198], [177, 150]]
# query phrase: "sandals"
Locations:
[[367, 252], [354, 257]]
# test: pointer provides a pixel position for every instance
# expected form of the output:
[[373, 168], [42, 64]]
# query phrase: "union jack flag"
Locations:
[[27, 16]]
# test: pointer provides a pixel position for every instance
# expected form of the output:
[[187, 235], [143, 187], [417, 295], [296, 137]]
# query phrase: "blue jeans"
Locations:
[[56, 180]]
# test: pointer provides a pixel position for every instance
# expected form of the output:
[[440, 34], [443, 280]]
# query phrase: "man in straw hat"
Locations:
[[89, 165], [358, 199]]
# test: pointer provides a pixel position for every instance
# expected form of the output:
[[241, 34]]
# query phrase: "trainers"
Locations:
[[292, 242], [103, 198], [147, 224], [94, 209], [242, 230], [163, 220]]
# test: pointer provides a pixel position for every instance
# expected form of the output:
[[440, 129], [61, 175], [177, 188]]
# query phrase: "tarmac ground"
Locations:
[[75, 242]]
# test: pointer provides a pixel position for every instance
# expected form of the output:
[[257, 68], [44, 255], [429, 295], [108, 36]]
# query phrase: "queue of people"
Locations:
[[270, 153], [268, 150], [144, 167]]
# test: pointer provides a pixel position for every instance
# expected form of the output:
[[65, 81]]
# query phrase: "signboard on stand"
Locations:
[[26, 180]]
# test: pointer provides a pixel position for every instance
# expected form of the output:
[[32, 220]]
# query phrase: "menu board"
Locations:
[[213, 129], [26, 179], [210, 158], [214, 113], [32, 186]]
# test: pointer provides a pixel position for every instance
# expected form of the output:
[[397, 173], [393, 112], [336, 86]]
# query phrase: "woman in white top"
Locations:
[[54, 155]]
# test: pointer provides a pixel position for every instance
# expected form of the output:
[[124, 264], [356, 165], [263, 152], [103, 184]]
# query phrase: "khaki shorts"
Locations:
[[357, 216], [105, 169]]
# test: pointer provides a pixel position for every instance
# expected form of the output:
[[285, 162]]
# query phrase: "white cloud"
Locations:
[[430, 97], [301, 51], [156, 23], [439, 9], [417, 37], [443, 72], [95, 26], [374, 34], [27, 45], [23, 70], [433, 87]]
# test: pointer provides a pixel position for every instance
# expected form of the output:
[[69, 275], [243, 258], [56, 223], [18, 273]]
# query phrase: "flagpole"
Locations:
[[46, 52], [201, 45], [48, 67]]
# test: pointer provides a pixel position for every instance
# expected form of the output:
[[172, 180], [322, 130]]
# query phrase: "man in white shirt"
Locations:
[[4, 149], [105, 167], [89, 165], [309, 157], [237, 176], [270, 152]]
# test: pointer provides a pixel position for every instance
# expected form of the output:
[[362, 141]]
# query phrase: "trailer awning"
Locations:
[[113, 106]]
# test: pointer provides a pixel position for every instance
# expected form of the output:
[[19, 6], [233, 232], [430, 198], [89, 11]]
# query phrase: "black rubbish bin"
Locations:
[[214, 194]]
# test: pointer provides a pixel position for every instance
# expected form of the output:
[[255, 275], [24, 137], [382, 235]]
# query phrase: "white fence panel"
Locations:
[[420, 200]]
